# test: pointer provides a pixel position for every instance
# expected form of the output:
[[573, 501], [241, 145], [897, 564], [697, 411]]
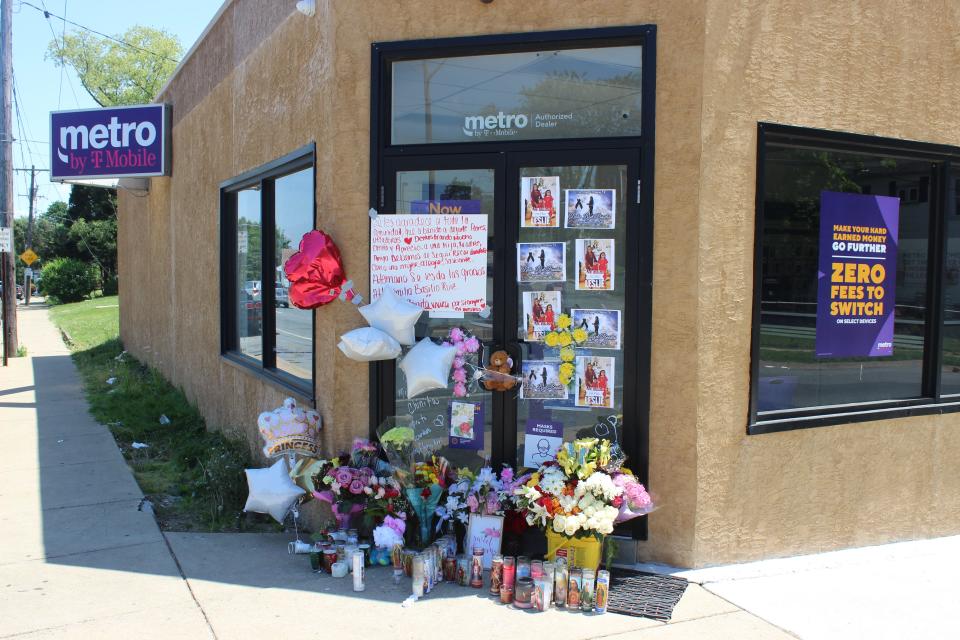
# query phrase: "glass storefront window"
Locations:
[[592, 204], [950, 367], [265, 213], [790, 374], [293, 211], [472, 192], [550, 94], [249, 304]]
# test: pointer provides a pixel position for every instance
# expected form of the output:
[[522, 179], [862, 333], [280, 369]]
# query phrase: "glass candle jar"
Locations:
[[542, 593], [463, 572], [536, 569], [509, 571], [476, 568], [602, 592], [523, 567], [523, 593], [450, 569], [315, 560], [329, 557], [417, 571], [586, 590], [560, 577], [496, 574], [573, 588], [506, 594]]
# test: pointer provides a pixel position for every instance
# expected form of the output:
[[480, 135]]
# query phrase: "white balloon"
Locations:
[[367, 344], [393, 315], [271, 490], [427, 366]]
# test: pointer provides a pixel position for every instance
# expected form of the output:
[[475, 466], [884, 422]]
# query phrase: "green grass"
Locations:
[[89, 323], [193, 476]]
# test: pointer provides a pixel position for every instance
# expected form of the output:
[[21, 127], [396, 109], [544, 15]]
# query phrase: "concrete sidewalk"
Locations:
[[79, 560]]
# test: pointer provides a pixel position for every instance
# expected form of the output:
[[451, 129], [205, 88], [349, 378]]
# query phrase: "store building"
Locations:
[[702, 132]]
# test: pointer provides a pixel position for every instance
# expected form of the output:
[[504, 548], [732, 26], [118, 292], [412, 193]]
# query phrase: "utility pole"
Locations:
[[6, 175], [28, 279]]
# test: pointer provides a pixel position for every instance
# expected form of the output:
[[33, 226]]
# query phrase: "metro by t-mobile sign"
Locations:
[[113, 142]]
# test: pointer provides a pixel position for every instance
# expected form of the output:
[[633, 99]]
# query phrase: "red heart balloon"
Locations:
[[315, 272]]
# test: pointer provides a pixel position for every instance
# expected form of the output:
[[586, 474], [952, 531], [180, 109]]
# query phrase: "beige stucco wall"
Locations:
[[267, 80], [881, 68]]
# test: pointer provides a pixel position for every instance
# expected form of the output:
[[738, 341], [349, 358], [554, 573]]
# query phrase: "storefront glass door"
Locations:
[[558, 244], [571, 302], [466, 187]]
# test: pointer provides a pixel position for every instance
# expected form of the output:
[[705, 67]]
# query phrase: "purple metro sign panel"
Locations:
[[114, 142]]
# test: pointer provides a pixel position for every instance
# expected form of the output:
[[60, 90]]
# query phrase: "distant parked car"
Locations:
[[282, 298]]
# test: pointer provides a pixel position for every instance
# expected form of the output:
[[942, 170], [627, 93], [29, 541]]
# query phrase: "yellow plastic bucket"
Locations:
[[583, 553]]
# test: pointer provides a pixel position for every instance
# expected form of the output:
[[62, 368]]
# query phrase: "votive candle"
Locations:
[[523, 594], [509, 571]]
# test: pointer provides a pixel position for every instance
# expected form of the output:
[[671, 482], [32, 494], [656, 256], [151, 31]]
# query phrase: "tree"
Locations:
[[92, 203], [117, 74], [98, 241]]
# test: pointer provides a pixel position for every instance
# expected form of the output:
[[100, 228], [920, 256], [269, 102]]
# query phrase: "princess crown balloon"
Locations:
[[288, 429]]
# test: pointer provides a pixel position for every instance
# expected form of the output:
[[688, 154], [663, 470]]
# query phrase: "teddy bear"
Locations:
[[500, 362]]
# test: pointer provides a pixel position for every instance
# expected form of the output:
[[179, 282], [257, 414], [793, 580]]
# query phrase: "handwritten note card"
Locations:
[[436, 261], [485, 532]]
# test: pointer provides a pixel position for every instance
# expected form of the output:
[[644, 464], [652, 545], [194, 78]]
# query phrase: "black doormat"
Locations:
[[634, 593]]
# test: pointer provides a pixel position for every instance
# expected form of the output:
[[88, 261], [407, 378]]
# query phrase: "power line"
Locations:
[[48, 15], [60, 48]]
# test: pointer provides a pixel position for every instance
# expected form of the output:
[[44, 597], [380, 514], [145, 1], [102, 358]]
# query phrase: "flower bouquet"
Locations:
[[351, 480], [578, 497], [423, 475], [479, 500]]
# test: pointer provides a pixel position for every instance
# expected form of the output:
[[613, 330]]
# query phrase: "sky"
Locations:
[[41, 87]]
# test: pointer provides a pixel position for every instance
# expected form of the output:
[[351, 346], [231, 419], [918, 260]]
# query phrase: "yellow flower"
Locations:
[[563, 321], [580, 334], [551, 339], [566, 369], [567, 354], [534, 480], [564, 339]]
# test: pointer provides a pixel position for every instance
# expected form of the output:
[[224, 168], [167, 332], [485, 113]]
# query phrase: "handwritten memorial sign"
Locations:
[[438, 262], [485, 532]]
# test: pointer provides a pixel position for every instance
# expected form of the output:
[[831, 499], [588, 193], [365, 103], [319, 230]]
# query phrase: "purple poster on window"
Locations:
[[857, 275], [115, 142]]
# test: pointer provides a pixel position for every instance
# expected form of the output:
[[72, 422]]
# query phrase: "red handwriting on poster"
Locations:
[[434, 261]]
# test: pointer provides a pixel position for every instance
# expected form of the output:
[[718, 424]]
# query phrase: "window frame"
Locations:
[[931, 400], [264, 177]]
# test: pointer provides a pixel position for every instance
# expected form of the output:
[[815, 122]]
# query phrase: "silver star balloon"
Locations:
[[271, 490], [393, 315], [427, 366]]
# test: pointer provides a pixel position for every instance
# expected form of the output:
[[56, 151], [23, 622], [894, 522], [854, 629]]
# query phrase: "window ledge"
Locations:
[[303, 398], [849, 417]]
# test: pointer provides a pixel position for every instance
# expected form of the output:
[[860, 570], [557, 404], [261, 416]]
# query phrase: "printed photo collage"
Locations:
[[545, 262]]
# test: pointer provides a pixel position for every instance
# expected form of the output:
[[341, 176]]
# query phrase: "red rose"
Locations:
[[425, 493], [618, 501]]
